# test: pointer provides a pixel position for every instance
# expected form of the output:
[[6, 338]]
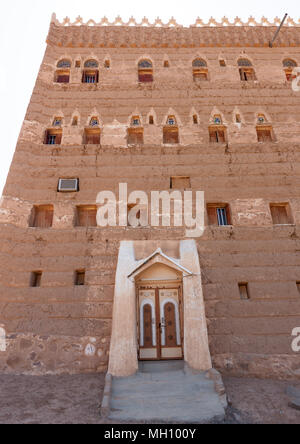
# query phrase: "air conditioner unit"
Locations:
[[68, 185]]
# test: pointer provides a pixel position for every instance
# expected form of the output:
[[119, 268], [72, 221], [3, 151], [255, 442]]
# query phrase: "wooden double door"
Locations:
[[160, 323]]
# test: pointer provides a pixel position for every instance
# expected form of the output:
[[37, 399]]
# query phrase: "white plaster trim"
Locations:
[[159, 251]]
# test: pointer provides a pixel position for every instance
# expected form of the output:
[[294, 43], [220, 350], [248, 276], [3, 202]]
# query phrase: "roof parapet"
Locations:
[[158, 23]]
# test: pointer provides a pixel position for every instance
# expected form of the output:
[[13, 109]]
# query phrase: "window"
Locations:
[[42, 216], [298, 286], [222, 62], [36, 279], [135, 121], [90, 72], [244, 291], [200, 71], [289, 65], [135, 136], [75, 121], [264, 129], [53, 137], [246, 70], [94, 122], [62, 74], [80, 277], [57, 121], [195, 119], [151, 120], [145, 71], [218, 214], [170, 131], [264, 134], [217, 135], [91, 136], [180, 182], [86, 216], [166, 64], [77, 64], [107, 64], [281, 214], [238, 118]]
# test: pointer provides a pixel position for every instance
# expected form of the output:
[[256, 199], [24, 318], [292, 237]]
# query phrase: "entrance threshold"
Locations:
[[160, 366]]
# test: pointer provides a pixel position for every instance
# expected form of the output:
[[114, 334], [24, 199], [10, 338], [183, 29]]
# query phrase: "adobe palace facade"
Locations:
[[210, 107]]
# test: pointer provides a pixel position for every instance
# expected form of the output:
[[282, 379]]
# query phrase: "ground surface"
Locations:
[[168, 392], [76, 399]]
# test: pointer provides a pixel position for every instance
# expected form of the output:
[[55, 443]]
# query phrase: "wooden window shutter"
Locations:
[[63, 78], [228, 215], [135, 136], [280, 214], [244, 292], [80, 277], [87, 216], [221, 136], [170, 135], [92, 137], [43, 217], [180, 182], [264, 135], [212, 215], [36, 279], [145, 77], [213, 136]]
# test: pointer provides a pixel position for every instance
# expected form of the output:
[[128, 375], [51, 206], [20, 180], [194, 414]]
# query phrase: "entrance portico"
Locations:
[[159, 311]]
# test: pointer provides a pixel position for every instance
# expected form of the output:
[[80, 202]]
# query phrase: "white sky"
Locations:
[[24, 27]]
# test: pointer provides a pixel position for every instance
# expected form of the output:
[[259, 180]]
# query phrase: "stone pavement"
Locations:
[[166, 392]]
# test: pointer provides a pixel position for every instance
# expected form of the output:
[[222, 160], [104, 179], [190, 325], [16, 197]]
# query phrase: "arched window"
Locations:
[[57, 122], [90, 72], [94, 122], [145, 71], [170, 131], [135, 134], [289, 65], [92, 133], [135, 121], [264, 129], [217, 131], [246, 70], [200, 71], [75, 121], [64, 64], [91, 64], [62, 74]]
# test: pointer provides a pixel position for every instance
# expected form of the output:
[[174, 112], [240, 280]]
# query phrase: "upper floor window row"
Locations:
[[135, 132], [200, 72]]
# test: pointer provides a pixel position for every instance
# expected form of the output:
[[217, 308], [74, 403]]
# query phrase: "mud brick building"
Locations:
[[207, 107]]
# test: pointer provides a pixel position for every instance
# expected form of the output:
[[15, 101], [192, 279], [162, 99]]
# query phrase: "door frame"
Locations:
[[156, 286]]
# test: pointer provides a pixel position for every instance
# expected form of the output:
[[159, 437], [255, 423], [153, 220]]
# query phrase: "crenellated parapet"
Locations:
[[173, 23], [143, 34]]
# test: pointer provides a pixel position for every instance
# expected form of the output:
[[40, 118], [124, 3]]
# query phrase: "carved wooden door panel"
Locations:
[[160, 324]]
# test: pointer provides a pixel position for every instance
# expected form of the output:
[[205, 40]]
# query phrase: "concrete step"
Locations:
[[155, 394], [160, 366]]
